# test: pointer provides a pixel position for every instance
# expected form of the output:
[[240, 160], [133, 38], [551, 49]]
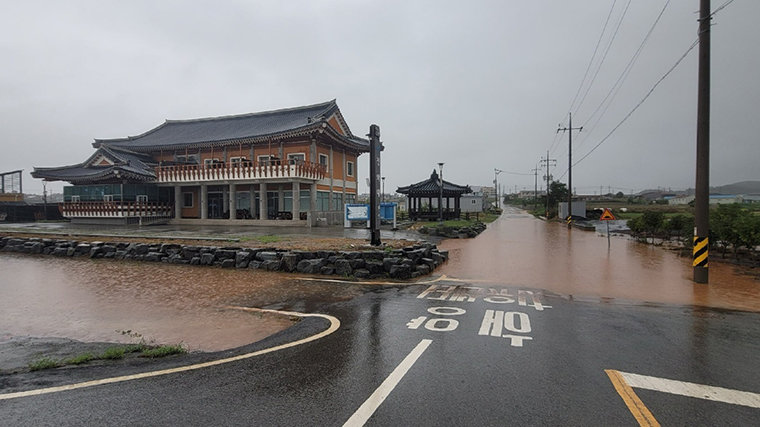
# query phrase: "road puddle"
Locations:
[[95, 300], [518, 250]]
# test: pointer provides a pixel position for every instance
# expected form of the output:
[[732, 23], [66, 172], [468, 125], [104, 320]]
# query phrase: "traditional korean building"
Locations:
[[281, 167], [424, 195]]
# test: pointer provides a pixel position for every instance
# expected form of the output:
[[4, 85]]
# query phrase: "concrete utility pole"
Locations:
[[702, 187], [570, 130], [496, 173], [548, 162], [535, 187]]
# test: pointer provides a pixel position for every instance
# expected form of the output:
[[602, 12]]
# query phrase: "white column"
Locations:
[[233, 202], [177, 201], [296, 200], [204, 201], [263, 200]]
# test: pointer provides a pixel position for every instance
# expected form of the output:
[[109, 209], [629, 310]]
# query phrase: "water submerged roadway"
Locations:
[[485, 346]]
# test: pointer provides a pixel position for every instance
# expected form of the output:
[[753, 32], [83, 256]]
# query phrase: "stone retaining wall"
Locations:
[[403, 263]]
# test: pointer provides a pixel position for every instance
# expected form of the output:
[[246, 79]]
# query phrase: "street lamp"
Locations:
[[382, 193], [496, 173], [440, 192]]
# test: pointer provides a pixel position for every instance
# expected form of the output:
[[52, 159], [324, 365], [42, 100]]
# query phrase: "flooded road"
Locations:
[[94, 300], [519, 250]]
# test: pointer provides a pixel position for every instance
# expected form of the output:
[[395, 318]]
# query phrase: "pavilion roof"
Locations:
[[432, 187]]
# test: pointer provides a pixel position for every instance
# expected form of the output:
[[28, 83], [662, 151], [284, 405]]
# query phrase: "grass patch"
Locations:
[[270, 238], [163, 351], [113, 353], [80, 359], [43, 363]]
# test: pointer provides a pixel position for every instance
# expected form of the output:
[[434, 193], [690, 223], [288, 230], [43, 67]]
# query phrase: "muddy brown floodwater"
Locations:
[[94, 300], [519, 250]]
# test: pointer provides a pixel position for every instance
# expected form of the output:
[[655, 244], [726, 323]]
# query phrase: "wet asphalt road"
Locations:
[[542, 361]]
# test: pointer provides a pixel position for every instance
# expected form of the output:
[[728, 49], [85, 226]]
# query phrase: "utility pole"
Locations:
[[440, 192], [569, 130], [702, 187], [496, 173], [375, 147], [535, 187], [548, 162]]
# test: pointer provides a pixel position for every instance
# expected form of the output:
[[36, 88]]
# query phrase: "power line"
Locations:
[[693, 45], [604, 56], [591, 61], [621, 79]]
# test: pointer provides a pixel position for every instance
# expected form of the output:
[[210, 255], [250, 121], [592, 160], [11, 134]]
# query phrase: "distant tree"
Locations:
[[723, 224], [619, 195], [653, 222], [557, 193]]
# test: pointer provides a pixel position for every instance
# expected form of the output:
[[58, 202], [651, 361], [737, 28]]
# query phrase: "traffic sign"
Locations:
[[607, 215]]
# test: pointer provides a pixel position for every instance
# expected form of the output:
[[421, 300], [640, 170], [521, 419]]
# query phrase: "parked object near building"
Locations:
[[579, 209], [296, 164], [423, 198]]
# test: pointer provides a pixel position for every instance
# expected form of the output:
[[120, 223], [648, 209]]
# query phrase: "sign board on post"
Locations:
[[607, 215], [355, 212]]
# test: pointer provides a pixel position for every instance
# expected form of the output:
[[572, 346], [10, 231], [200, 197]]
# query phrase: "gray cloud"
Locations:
[[477, 85]]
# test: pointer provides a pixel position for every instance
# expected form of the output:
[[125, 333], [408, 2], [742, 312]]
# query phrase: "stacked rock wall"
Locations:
[[403, 263]]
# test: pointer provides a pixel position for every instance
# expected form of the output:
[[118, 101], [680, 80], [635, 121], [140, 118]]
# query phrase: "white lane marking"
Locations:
[[334, 325], [700, 391], [373, 402]]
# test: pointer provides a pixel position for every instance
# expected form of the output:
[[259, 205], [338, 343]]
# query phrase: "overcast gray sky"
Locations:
[[478, 85]]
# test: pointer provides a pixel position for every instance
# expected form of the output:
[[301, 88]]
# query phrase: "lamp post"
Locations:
[[382, 192], [496, 173], [440, 192]]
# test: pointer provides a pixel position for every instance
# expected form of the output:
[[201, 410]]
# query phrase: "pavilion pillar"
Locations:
[[263, 201]]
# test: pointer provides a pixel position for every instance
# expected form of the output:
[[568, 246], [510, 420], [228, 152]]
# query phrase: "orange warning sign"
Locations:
[[607, 215]]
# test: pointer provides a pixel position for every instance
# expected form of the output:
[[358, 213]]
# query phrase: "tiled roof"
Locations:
[[126, 164], [431, 186], [181, 133]]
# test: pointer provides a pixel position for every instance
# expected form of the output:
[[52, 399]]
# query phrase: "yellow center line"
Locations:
[[632, 401], [334, 325]]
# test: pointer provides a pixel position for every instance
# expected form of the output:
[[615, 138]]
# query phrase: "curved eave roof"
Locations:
[[431, 187], [245, 128], [79, 175]]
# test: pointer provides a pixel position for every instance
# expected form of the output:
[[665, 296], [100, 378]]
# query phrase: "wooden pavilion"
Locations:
[[423, 198]]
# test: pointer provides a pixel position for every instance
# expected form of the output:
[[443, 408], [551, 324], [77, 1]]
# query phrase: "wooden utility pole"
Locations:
[[535, 187], [702, 186], [375, 147], [570, 130]]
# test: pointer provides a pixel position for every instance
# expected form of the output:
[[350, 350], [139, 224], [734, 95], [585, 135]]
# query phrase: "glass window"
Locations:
[[350, 168], [74, 198], [296, 158], [305, 200], [323, 201], [323, 160], [337, 201], [108, 197], [142, 198], [187, 200], [287, 201]]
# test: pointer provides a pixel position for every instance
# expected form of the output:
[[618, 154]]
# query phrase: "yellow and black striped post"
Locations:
[[700, 254]]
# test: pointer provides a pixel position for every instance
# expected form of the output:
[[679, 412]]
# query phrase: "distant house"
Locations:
[[245, 169], [715, 199]]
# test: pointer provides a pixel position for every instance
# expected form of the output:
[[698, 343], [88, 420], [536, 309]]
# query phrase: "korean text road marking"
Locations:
[[459, 293], [496, 320], [373, 402]]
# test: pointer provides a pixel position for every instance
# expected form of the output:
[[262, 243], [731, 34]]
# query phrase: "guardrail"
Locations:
[[238, 171], [116, 209]]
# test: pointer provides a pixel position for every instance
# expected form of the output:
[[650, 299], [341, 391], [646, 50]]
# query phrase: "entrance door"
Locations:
[[273, 204], [215, 204]]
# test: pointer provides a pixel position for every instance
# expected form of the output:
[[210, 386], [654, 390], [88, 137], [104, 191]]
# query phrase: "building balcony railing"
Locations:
[[116, 210], [239, 171]]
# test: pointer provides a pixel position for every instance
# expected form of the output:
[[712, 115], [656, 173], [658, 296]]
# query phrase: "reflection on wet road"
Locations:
[[92, 300], [520, 250]]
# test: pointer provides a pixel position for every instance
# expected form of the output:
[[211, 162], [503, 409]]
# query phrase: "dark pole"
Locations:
[[702, 187], [382, 193], [374, 179], [570, 130], [535, 188], [547, 185], [570, 168], [440, 192]]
